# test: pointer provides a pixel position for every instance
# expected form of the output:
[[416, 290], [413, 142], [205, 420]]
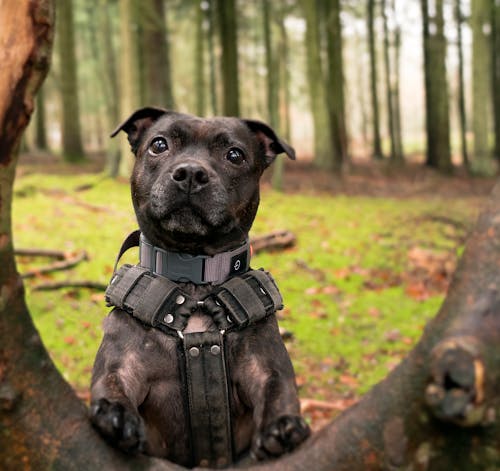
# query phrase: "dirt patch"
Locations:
[[363, 178], [378, 179]]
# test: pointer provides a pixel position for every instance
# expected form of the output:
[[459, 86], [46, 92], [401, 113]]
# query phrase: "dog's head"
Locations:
[[195, 183]]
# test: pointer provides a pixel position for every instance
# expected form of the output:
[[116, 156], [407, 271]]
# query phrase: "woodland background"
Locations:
[[392, 105], [399, 80]]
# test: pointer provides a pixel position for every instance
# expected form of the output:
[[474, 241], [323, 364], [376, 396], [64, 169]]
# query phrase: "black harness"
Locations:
[[161, 303]]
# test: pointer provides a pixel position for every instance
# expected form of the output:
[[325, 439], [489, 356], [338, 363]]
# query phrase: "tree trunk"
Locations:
[[226, 16], [210, 18], [481, 76], [72, 147], [199, 59], [396, 99], [129, 75], [391, 94], [156, 82], [335, 85], [461, 86], [41, 128], [273, 69], [495, 69], [317, 93], [436, 88], [377, 143], [107, 65], [284, 97]]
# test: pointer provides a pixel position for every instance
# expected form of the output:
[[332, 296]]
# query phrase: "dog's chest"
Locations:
[[199, 322]]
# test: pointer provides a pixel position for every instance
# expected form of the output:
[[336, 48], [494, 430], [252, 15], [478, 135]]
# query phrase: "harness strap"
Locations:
[[250, 297], [159, 302], [154, 300], [208, 393]]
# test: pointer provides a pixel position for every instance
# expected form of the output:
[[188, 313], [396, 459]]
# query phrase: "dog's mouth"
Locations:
[[188, 217]]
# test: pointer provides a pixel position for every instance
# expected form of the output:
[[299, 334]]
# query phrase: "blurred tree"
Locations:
[[495, 69], [72, 147], [317, 92], [108, 67], [392, 86], [154, 55], [273, 82], [481, 89], [228, 35], [396, 99], [199, 57], [335, 83], [461, 86], [370, 21], [210, 19], [129, 75], [436, 88], [283, 92], [41, 128], [102, 51]]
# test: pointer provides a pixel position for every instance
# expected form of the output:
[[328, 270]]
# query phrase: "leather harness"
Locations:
[[157, 301]]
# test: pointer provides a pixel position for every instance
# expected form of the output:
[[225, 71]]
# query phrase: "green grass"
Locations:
[[345, 283]]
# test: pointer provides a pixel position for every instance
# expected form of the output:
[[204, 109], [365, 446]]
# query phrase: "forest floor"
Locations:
[[363, 178], [375, 252]]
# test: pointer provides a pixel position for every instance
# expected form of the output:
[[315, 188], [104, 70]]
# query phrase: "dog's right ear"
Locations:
[[137, 123]]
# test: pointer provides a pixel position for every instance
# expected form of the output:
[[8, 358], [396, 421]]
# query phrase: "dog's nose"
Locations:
[[190, 177]]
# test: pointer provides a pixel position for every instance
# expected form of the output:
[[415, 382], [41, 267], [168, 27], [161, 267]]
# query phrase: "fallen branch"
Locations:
[[316, 273], [278, 240], [59, 254], [69, 284], [69, 262]]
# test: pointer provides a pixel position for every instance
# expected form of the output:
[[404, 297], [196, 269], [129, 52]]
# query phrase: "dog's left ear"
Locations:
[[271, 143], [137, 123]]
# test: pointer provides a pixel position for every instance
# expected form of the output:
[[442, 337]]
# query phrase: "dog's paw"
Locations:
[[120, 426], [280, 436]]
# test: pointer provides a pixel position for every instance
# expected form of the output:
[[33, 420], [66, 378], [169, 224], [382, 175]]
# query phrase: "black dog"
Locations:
[[195, 190]]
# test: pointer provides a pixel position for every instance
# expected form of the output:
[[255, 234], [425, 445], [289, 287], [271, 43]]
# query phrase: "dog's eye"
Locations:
[[235, 156], [158, 146]]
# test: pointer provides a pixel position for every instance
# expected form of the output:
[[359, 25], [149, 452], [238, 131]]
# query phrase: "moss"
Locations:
[[345, 284]]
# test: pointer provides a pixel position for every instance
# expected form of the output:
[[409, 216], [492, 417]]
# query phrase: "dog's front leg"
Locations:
[[268, 387], [279, 426], [119, 386]]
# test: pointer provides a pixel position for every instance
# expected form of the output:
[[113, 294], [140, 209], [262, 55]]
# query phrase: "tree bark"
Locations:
[[481, 90], [41, 128], [396, 98], [392, 88], [377, 143], [129, 76], [335, 84], [436, 88], [316, 82], [274, 77], [72, 147], [210, 19], [109, 80], [278, 168], [437, 411], [156, 82], [461, 86], [228, 35], [199, 58], [495, 69]]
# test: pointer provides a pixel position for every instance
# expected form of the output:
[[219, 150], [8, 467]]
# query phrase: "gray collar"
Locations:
[[198, 269]]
